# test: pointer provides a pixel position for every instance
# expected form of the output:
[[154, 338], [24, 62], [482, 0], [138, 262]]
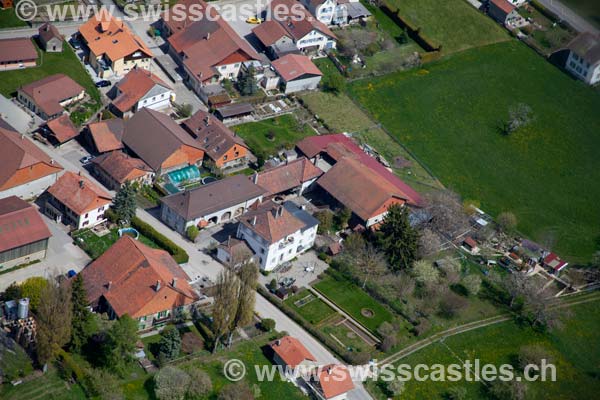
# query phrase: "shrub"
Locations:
[[192, 232], [171, 383], [451, 305], [162, 241], [267, 324], [200, 384]]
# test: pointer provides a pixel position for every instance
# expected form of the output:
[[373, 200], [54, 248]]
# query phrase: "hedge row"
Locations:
[[179, 254], [413, 31], [322, 337]]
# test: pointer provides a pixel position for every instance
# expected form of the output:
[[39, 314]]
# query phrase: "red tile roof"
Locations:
[[291, 351], [107, 135], [271, 221], [121, 167], [293, 66], [79, 193], [504, 5], [127, 275], [20, 224], [359, 188], [50, 91], [22, 161], [270, 32], [212, 135], [62, 129], [334, 380], [339, 145], [105, 34], [48, 31], [134, 86], [179, 18], [288, 176], [296, 19], [553, 261], [17, 49]]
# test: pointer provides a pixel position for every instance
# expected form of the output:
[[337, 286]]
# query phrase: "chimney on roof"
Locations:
[[278, 342], [157, 287], [279, 212], [108, 285], [207, 36], [174, 283], [207, 120], [52, 161], [328, 370], [81, 184], [255, 178], [254, 220]]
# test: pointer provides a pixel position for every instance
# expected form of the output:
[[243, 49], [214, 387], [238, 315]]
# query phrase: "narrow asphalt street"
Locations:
[[567, 14]]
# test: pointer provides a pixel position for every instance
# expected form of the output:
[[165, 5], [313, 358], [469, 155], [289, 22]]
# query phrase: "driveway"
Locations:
[[61, 257], [298, 271]]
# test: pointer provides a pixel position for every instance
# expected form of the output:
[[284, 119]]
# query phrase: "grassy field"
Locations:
[[250, 353], [285, 129], [573, 349], [547, 173], [314, 311], [588, 9], [342, 115], [49, 64], [349, 338], [353, 300], [8, 19], [454, 24], [48, 386]]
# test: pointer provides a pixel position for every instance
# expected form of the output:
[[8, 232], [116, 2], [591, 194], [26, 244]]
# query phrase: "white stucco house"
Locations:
[[140, 88], [277, 233], [75, 200], [584, 58]]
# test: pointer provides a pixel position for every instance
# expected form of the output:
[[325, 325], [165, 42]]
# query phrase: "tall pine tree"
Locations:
[[398, 239], [124, 203], [82, 324]]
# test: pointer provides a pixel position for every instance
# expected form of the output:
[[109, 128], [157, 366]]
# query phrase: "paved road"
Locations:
[[567, 14]]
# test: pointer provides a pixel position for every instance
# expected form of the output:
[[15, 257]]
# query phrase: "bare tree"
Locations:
[[368, 260], [447, 212], [519, 116], [225, 305], [429, 243], [402, 283]]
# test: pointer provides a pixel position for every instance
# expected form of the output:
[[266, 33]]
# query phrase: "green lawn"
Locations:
[[350, 339], [49, 64], [588, 9], [455, 24], [95, 245], [48, 386], [286, 130], [8, 19], [250, 353], [352, 299], [314, 311], [547, 174], [573, 349]]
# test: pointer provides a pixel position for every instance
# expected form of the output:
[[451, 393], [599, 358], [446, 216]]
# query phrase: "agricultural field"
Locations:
[[268, 136], [448, 114], [455, 24], [356, 302], [572, 348]]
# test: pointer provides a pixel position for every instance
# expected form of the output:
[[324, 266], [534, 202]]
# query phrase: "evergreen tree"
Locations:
[[124, 203], [120, 344], [248, 83], [398, 239], [82, 324], [169, 345]]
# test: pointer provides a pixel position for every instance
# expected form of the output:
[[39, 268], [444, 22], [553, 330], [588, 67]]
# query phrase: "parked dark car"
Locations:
[[76, 44], [103, 83]]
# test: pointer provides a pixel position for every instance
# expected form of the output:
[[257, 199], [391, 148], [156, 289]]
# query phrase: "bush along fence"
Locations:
[[433, 50], [179, 254]]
